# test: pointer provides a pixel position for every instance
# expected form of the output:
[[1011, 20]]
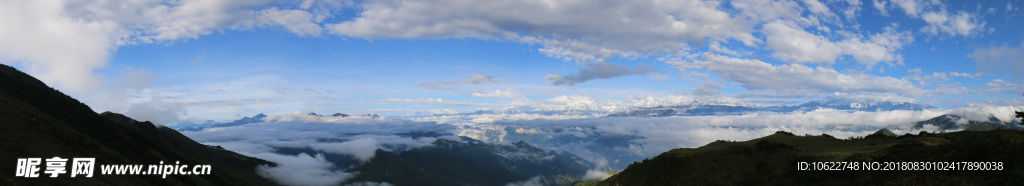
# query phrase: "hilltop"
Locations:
[[712, 109]]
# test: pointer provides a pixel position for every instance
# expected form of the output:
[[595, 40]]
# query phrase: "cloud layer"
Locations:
[[617, 141], [598, 70], [1001, 60], [572, 30], [356, 137], [757, 75]]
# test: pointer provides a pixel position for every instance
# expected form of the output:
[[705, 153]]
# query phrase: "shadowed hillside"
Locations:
[[449, 162], [773, 160], [39, 121]]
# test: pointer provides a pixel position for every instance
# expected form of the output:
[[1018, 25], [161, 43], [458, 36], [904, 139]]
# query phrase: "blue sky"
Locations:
[[192, 60]]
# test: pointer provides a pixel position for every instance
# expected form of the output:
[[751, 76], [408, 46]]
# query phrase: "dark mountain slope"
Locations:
[[39, 121], [389, 167], [773, 160], [448, 162]]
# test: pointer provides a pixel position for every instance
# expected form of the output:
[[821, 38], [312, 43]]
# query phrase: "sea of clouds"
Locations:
[[610, 142]]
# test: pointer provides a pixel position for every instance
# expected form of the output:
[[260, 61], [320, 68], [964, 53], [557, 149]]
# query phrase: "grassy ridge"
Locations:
[[773, 160]]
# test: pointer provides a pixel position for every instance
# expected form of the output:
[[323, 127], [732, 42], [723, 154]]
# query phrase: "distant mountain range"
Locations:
[[188, 126], [211, 124], [39, 121], [733, 109]]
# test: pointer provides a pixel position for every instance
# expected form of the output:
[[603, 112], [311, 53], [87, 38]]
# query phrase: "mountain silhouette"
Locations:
[[39, 121]]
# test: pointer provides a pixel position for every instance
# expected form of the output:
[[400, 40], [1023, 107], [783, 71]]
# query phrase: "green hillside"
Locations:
[[773, 160]]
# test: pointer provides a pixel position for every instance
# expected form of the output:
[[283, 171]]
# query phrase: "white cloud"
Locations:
[[784, 93], [939, 20], [880, 6], [362, 148], [576, 102], [880, 47], [549, 93], [575, 107], [912, 8], [229, 99], [130, 84], [989, 102], [716, 46], [33, 33], [1001, 60], [296, 21], [157, 111], [853, 7], [563, 107], [501, 94], [157, 21], [961, 74], [871, 97], [478, 79], [757, 75], [527, 131], [927, 79], [658, 77], [792, 44], [999, 86], [764, 11], [572, 30], [84, 33], [962, 23], [596, 175], [982, 113], [301, 169], [597, 70], [433, 101], [134, 78], [708, 88], [451, 85], [817, 7]]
